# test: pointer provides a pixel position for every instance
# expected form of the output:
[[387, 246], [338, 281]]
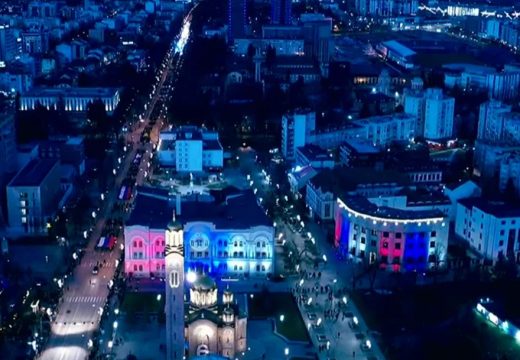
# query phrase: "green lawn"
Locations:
[[272, 305], [142, 303]]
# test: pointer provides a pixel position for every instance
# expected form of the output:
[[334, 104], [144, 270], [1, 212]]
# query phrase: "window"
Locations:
[[206, 254], [385, 244], [433, 234], [363, 240], [241, 254], [257, 267], [199, 254], [257, 254], [384, 259], [502, 232], [363, 230], [234, 254], [398, 235], [220, 254], [501, 243], [263, 243], [220, 243], [373, 243], [397, 246], [385, 234], [140, 267], [236, 243], [258, 244], [135, 267], [432, 244], [225, 243]]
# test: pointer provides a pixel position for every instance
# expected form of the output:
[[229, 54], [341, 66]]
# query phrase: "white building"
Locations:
[[509, 172], [395, 239], [71, 98], [459, 191], [296, 130], [190, 149], [434, 112], [491, 228], [33, 196], [491, 120], [383, 130]]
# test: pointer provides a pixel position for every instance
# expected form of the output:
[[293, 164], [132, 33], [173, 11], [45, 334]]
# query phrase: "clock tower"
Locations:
[[174, 259]]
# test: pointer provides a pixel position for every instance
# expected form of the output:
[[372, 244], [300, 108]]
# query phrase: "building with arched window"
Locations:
[[233, 237]]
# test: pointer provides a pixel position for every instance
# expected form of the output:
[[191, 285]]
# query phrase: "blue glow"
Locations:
[[416, 251]]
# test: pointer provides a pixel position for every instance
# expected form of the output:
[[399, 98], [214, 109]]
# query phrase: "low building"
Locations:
[[229, 238], [70, 152], [490, 227], [71, 98], [397, 53], [190, 149], [299, 176], [33, 196], [410, 240], [359, 153], [314, 156], [459, 191], [323, 189]]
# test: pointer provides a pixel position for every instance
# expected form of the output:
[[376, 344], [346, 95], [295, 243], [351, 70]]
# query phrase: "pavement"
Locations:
[[79, 313]]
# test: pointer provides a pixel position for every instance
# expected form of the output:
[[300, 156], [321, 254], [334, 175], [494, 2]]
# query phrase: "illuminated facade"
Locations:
[[203, 325], [232, 238], [410, 240], [72, 99], [213, 327]]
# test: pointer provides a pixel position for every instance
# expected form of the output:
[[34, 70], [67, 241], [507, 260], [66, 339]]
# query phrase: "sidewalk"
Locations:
[[337, 335]]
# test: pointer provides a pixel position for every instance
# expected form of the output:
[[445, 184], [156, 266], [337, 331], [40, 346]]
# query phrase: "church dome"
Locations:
[[204, 282], [203, 292], [174, 225]]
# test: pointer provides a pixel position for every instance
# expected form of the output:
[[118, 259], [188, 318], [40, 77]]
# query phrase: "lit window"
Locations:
[[24, 220]]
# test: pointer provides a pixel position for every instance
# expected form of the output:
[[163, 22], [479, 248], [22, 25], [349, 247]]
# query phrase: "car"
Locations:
[[95, 270]]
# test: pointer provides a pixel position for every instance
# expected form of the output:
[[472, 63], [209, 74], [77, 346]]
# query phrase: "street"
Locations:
[[85, 294]]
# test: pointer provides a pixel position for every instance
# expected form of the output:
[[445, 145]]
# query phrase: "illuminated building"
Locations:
[[190, 149], [393, 238], [296, 129], [212, 326], [491, 228], [509, 172], [8, 46], [398, 53], [71, 98], [233, 237], [315, 156]]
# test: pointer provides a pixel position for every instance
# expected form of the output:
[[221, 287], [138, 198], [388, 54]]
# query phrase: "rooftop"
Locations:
[[341, 180], [398, 47], [499, 209], [34, 172], [361, 205], [212, 145], [362, 147], [239, 211], [313, 152]]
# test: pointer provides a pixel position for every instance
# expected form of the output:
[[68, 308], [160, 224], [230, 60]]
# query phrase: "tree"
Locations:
[[98, 117]]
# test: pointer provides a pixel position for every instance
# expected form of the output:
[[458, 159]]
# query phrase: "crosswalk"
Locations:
[[85, 299]]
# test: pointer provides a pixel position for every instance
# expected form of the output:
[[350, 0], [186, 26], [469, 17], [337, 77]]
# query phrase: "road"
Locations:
[[85, 295]]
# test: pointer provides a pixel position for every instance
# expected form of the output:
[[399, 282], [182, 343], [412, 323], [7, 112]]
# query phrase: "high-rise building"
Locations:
[[491, 120], [8, 46], [296, 130], [237, 12], [438, 114], [281, 12], [317, 33]]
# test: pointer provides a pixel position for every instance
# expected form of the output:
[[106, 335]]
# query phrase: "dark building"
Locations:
[[281, 12], [236, 18]]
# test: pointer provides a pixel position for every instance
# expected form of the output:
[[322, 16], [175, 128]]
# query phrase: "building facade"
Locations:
[[491, 228], [392, 238], [71, 98], [33, 196], [296, 130], [281, 12], [190, 149], [233, 238]]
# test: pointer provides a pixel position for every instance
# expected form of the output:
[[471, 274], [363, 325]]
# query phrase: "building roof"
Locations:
[[363, 206], [341, 180], [499, 209], [34, 172], [396, 46], [313, 152], [238, 211], [212, 145], [362, 146]]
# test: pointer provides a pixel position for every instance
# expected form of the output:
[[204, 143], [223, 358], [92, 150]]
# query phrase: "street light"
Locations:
[[282, 318], [191, 276], [115, 325], [286, 351]]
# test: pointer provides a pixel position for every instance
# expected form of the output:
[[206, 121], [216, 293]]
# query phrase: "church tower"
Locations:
[[174, 258]]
